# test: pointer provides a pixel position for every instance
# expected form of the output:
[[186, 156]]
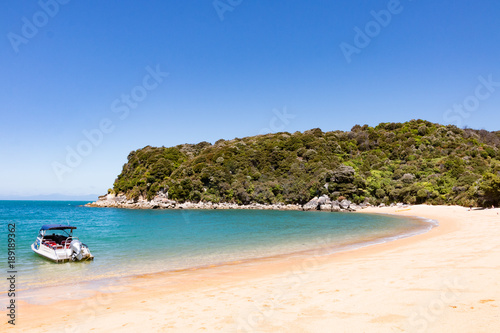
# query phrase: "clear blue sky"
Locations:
[[66, 68]]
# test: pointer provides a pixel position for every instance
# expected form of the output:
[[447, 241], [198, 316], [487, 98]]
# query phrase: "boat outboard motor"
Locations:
[[76, 248]]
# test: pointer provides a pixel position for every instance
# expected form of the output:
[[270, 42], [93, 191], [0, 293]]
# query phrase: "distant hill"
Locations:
[[412, 162], [52, 197]]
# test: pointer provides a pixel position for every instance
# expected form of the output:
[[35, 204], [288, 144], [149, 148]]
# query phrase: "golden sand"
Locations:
[[447, 280]]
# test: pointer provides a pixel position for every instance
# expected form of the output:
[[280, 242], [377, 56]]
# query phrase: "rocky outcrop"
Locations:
[[324, 203], [343, 174], [336, 206], [326, 207], [312, 204], [161, 201], [344, 204]]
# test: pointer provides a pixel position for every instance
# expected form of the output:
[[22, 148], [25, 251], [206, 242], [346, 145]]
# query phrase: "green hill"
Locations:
[[412, 162]]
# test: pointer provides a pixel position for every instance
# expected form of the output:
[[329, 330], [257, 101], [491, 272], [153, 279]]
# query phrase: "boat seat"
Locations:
[[52, 244]]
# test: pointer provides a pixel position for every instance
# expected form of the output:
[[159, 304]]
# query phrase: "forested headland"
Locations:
[[413, 162]]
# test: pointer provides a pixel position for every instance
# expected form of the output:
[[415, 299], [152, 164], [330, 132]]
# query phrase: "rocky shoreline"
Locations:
[[161, 201]]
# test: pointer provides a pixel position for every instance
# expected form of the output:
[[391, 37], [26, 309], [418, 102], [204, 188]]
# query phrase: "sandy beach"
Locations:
[[446, 280]]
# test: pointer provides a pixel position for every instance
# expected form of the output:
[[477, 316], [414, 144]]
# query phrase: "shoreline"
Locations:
[[285, 293], [161, 201], [324, 247]]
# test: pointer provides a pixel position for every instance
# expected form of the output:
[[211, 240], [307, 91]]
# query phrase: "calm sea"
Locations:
[[130, 242]]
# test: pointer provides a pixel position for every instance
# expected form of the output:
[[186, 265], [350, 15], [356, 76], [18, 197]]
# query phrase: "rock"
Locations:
[[292, 207], [324, 200], [325, 207], [312, 204], [336, 206], [344, 174], [161, 201], [120, 198], [344, 204]]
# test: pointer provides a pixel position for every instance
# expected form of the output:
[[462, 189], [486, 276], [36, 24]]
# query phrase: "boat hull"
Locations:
[[59, 255]]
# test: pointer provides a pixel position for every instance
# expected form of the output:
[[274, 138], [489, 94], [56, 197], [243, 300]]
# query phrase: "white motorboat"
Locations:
[[56, 242]]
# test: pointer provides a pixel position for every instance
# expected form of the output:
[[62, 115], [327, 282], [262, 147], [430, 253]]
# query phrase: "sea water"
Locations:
[[132, 242]]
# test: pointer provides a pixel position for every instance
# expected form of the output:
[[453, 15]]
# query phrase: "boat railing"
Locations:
[[68, 241], [65, 245], [57, 255]]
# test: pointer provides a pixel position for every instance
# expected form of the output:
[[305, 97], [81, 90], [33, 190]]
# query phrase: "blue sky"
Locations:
[[236, 68]]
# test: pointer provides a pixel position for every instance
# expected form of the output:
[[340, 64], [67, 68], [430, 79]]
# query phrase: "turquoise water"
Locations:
[[129, 242]]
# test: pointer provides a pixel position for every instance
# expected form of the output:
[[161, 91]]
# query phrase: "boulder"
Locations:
[[336, 206], [292, 207], [344, 174], [344, 204], [324, 200], [312, 204], [326, 207], [120, 198]]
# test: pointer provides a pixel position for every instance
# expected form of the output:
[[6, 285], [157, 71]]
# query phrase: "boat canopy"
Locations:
[[56, 227]]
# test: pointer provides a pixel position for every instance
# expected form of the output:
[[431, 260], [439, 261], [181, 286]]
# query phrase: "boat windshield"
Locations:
[[56, 235]]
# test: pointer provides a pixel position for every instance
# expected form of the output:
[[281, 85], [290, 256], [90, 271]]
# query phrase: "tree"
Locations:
[[490, 189], [416, 161]]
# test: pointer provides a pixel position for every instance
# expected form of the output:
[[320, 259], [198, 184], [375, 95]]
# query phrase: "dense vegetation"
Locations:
[[412, 162]]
